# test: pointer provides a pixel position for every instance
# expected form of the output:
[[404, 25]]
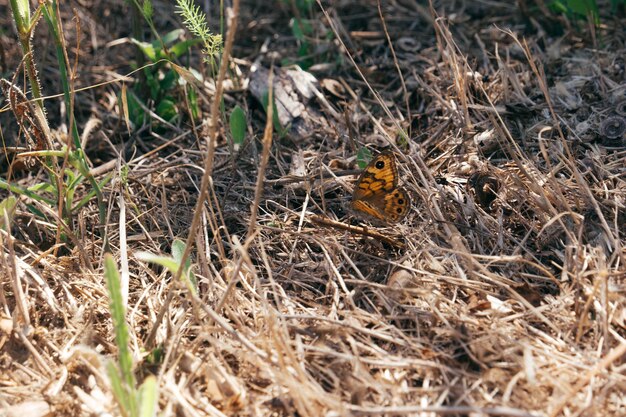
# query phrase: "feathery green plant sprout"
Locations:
[[195, 20]]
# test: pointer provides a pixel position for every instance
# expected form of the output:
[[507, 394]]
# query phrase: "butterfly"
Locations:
[[376, 193]]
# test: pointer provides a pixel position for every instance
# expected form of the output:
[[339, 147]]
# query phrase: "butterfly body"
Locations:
[[377, 195]]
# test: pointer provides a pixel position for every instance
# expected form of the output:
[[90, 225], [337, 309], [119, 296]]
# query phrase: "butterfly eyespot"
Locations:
[[380, 164], [400, 201]]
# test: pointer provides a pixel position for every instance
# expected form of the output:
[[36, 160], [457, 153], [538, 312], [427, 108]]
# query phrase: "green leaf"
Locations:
[[167, 109], [194, 107], [165, 261], [169, 38], [296, 29], [303, 50], [122, 339], [183, 47], [363, 157], [156, 356], [282, 131], [153, 83], [92, 193], [119, 392], [238, 126], [178, 249], [36, 211], [173, 263], [304, 5], [306, 26], [558, 6], [192, 282], [148, 397], [7, 208], [72, 179], [583, 7], [21, 15], [29, 192], [147, 49], [170, 80], [42, 187]]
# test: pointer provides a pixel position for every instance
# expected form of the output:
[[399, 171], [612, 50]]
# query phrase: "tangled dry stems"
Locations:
[[506, 297]]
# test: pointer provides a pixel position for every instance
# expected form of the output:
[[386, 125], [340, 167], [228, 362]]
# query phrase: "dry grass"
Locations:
[[502, 293]]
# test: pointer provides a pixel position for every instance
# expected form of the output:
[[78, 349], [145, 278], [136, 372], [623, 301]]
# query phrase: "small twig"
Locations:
[[11, 269], [208, 168], [215, 112], [325, 221], [267, 144]]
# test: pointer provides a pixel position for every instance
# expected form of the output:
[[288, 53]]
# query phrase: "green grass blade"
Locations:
[[178, 249], [172, 263], [238, 125], [165, 261], [119, 392], [21, 14], [49, 13], [23, 191], [87, 198], [148, 397], [118, 314], [7, 207]]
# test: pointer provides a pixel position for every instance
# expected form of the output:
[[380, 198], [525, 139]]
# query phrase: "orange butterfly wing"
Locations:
[[376, 193]]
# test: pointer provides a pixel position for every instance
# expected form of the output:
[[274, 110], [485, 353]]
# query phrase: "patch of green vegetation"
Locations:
[[132, 401], [238, 126], [161, 81], [159, 88], [577, 9], [302, 31], [52, 192], [583, 9], [196, 22], [363, 157], [174, 263], [62, 185], [278, 128], [7, 210]]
